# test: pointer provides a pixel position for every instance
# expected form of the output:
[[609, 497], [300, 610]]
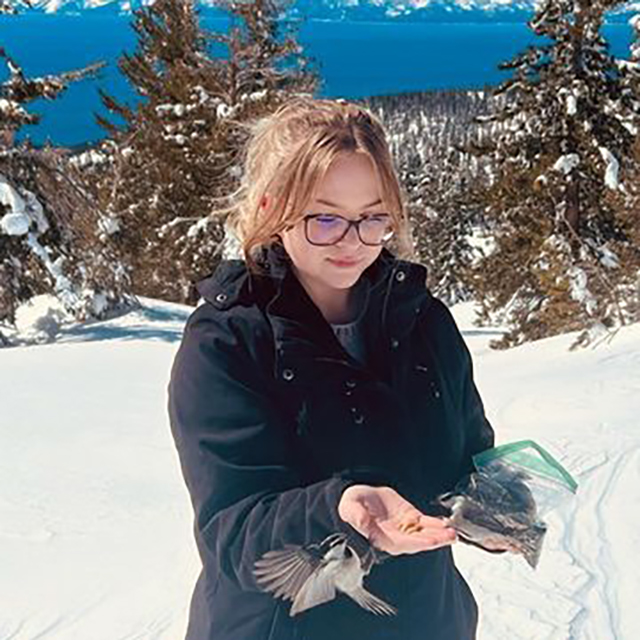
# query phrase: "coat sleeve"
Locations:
[[237, 457], [479, 434]]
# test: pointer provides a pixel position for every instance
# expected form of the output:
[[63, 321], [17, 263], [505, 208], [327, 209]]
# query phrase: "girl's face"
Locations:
[[350, 189]]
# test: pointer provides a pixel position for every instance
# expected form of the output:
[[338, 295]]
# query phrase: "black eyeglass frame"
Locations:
[[350, 223]]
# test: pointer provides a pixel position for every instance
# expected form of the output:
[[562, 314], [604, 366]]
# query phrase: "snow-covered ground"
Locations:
[[95, 522]]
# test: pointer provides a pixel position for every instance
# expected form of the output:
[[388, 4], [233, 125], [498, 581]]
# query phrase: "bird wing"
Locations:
[[371, 603], [284, 572], [317, 589]]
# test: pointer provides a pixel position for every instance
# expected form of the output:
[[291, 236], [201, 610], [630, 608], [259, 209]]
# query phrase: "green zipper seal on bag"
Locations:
[[552, 469]]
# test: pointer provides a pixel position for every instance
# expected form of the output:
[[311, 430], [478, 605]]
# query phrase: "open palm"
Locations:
[[390, 522]]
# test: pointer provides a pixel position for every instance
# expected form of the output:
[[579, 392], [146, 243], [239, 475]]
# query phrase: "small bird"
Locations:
[[496, 515], [311, 575]]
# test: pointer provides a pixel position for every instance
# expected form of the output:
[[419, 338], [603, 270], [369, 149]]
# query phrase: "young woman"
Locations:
[[320, 388]]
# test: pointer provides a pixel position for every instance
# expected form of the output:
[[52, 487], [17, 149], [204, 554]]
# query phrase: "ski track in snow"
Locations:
[[590, 551], [584, 407], [97, 545], [574, 592], [592, 547]]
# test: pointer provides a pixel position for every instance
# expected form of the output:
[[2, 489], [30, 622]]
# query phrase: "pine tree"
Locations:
[[630, 68], [177, 153], [47, 223], [562, 144], [19, 90], [429, 133]]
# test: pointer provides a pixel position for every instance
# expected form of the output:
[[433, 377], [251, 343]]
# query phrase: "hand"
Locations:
[[487, 544], [390, 522]]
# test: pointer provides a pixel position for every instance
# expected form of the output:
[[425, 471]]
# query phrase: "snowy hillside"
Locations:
[[53, 5], [321, 7], [95, 522], [350, 10]]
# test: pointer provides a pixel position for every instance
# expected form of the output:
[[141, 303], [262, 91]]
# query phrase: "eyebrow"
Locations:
[[337, 206]]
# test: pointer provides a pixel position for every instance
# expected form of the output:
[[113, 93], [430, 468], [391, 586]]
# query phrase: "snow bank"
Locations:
[[96, 529], [40, 319]]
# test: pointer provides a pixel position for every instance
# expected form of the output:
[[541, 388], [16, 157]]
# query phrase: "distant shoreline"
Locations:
[[355, 60]]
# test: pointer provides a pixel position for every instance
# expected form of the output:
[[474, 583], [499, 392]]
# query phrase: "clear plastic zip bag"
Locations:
[[499, 507], [549, 482]]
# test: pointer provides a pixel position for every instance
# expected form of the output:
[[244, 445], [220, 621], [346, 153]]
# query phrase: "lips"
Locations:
[[343, 263]]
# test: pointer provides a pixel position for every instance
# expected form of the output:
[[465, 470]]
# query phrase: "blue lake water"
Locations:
[[356, 59]]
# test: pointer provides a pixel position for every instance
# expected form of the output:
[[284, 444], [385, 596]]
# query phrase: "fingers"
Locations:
[[497, 544], [372, 499], [380, 540], [358, 517], [414, 521], [435, 531], [436, 524], [362, 522], [421, 538], [415, 537], [391, 523]]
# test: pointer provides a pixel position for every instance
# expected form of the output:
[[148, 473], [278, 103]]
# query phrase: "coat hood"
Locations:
[[232, 283]]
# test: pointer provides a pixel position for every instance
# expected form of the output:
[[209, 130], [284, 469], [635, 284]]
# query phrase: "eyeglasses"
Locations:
[[324, 229]]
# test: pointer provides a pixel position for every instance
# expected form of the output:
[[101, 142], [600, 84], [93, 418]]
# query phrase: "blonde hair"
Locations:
[[288, 154]]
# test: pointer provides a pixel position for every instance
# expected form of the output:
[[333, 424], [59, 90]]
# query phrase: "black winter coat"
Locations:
[[273, 419]]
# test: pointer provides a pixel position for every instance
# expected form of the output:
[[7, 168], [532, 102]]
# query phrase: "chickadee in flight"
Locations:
[[310, 575]]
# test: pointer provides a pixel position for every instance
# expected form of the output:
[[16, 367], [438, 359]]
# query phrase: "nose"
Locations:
[[351, 238]]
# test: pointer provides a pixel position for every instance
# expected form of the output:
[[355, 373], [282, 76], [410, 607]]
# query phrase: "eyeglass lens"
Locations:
[[329, 229]]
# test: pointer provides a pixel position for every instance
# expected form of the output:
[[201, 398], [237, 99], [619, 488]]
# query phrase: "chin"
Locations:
[[345, 281]]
